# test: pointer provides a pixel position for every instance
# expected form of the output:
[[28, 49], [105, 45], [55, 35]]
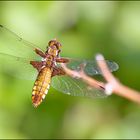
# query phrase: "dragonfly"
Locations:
[[48, 71]]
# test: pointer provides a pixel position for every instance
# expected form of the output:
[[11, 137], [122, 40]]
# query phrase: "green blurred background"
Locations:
[[84, 29]]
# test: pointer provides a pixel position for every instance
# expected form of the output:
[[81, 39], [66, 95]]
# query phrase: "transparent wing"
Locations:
[[13, 44], [16, 54], [75, 87], [91, 67], [17, 37], [17, 66]]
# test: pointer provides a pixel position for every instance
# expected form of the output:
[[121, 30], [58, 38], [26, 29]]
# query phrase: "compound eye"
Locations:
[[59, 45], [51, 43]]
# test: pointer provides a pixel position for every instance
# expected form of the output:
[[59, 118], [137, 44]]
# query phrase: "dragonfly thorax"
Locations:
[[53, 51]]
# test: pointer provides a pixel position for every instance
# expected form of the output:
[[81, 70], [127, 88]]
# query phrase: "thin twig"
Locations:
[[117, 87]]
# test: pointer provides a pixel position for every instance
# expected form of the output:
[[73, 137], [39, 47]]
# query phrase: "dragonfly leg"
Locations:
[[39, 52], [36, 64], [62, 60], [58, 71]]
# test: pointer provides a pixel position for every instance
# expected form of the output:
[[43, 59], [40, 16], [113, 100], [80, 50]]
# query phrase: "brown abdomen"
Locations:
[[41, 86]]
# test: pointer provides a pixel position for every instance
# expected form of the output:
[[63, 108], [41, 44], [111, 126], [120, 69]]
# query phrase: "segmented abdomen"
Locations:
[[41, 86]]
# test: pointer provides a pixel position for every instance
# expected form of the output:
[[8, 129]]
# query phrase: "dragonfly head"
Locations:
[[55, 43], [54, 48]]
